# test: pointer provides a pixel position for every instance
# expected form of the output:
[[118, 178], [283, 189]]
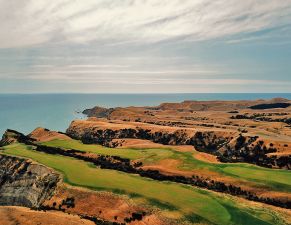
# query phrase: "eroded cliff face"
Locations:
[[23, 183], [104, 132], [228, 146]]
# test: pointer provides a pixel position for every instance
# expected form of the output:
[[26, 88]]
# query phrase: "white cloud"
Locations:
[[30, 22], [137, 44]]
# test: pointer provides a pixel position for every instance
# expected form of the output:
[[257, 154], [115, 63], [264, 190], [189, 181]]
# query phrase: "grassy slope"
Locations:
[[192, 202], [278, 180]]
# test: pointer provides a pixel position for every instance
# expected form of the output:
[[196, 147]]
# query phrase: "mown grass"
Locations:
[[278, 180], [273, 179], [195, 204], [145, 155]]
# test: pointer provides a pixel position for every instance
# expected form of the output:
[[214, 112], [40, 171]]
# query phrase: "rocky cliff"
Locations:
[[23, 183], [228, 146], [103, 132]]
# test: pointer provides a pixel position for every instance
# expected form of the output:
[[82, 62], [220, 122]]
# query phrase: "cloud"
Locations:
[[87, 73], [145, 45], [26, 23]]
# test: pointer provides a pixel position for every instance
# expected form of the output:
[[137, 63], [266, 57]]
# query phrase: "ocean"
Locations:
[[24, 112]]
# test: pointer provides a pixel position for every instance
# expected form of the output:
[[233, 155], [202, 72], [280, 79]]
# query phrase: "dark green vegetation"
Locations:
[[270, 106], [192, 204]]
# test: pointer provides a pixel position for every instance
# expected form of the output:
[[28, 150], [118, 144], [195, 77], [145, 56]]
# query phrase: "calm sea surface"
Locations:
[[56, 111]]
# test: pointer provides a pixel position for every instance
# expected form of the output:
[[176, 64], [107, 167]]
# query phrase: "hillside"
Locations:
[[172, 164]]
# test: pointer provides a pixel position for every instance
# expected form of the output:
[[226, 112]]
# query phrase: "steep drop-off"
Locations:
[[23, 183]]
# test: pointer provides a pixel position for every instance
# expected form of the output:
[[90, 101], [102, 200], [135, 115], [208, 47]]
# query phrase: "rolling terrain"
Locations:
[[178, 163]]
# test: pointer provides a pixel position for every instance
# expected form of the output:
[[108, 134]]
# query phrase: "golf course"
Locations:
[[189, 203]]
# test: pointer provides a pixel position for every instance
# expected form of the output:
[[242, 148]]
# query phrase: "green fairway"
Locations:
[[195, 204], [141, 154], [98, 149], [278, 180]]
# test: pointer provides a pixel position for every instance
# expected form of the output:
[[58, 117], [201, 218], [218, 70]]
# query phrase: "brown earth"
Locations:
[[42, 134], [206, 157], [103, 205], [135, 143], [140, 144], [14, 215]]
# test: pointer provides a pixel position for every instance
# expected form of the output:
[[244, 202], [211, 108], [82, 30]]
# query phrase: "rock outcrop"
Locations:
[[23, 183], [13, 136], [98, 112]]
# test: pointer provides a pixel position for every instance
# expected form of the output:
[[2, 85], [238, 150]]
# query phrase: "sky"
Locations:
[[145, 46]]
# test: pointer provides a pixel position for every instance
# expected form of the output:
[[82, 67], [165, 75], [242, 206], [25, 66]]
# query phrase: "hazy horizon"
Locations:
[[149, 46], [135, 93]]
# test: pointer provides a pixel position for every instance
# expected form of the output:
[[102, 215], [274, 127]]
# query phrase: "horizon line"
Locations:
[[32, 93]]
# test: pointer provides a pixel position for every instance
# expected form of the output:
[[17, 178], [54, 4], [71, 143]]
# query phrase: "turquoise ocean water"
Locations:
[[24, 112]]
